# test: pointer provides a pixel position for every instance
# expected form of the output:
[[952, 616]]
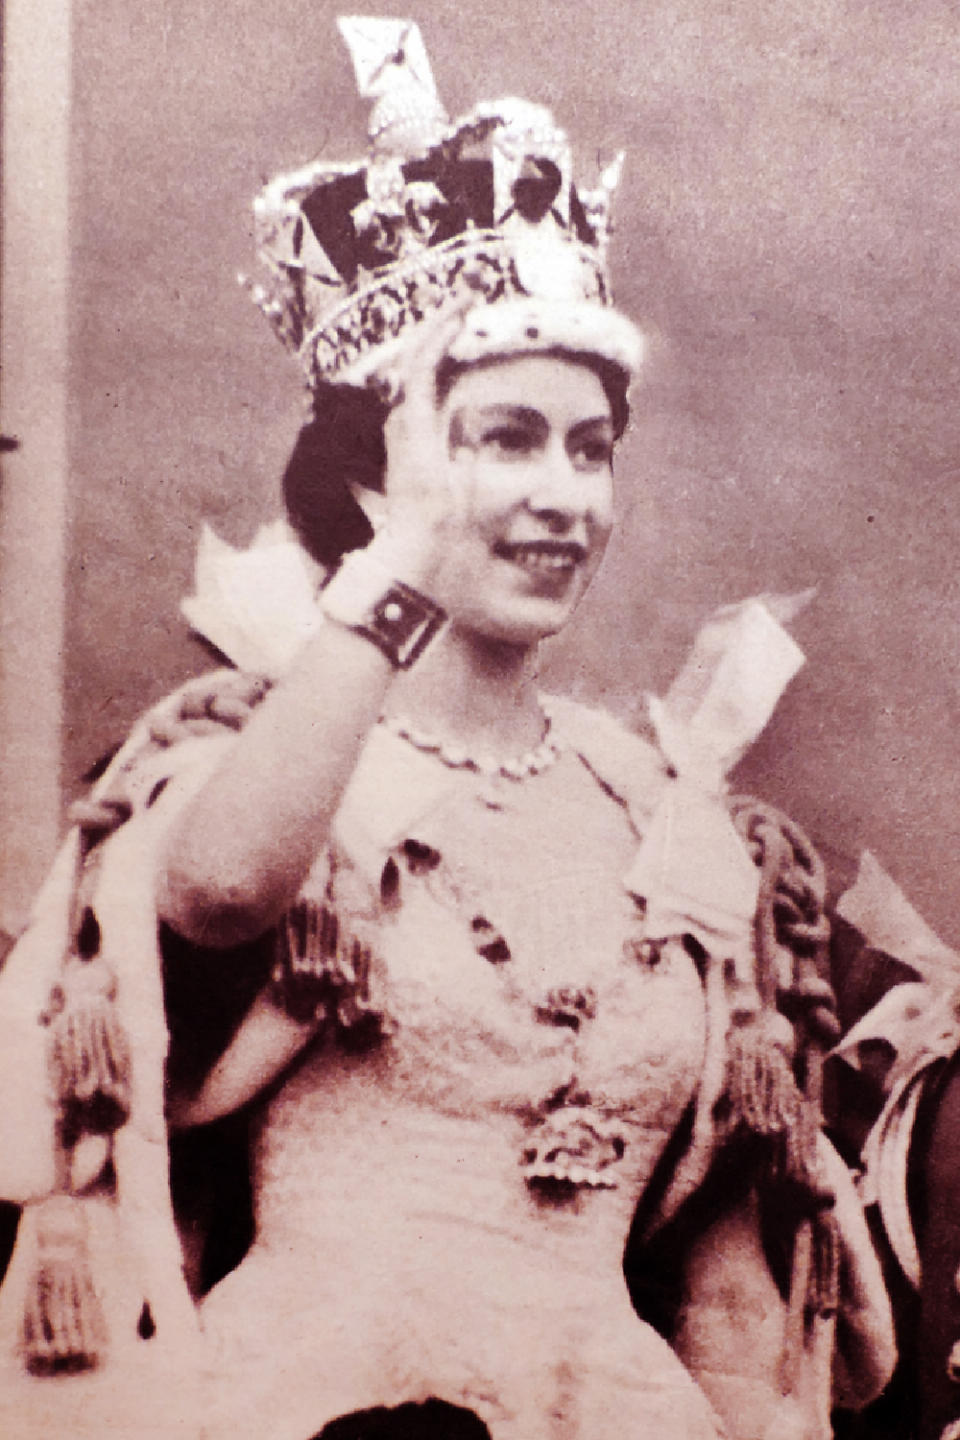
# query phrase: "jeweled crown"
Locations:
[[481, 209]]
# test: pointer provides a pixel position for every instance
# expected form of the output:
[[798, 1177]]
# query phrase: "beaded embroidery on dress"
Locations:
[[480, 1054], [516, 1103]]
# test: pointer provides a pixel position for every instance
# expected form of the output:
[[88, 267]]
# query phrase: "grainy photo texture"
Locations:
[[477, 777]]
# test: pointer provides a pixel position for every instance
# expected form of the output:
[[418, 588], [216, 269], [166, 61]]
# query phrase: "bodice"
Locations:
[[523, 1017], [442, 1200]]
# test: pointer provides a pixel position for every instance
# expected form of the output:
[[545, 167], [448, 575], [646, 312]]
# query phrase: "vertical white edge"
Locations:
[[34, 352]]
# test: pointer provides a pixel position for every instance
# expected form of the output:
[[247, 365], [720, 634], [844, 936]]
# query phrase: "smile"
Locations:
[[543, 556]]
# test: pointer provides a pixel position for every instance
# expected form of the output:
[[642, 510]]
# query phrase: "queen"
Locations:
[[501, 988]]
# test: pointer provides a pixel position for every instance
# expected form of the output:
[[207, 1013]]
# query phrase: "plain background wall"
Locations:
[[787, 231], [35, 299]]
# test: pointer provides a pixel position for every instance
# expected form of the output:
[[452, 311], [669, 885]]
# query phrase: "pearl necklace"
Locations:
[[534, 762]]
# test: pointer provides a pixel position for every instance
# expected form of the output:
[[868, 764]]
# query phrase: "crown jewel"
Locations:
[[483, 208]]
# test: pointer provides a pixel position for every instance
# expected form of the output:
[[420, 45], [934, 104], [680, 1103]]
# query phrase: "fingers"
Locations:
[[414, 431], [428, 498], [417, 369]]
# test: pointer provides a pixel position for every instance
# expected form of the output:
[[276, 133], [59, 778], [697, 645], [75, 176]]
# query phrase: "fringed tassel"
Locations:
[[814, 1290], [764, 1098], [795, 1329], [63, 1325], [89, 1052], [64, 1329], [322, 972], [823, 1291]]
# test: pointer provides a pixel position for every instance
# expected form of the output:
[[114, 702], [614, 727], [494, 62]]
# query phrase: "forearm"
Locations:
[[240, 851], [243, 847]]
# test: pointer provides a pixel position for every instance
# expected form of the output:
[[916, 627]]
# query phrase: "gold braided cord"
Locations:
[[792, 926], [63, 1328]]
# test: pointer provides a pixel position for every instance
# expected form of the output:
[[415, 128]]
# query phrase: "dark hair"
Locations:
[[343, 444]]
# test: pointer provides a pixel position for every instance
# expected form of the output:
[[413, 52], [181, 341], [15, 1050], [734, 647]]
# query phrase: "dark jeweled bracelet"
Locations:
[[394, 616], [402, 623]]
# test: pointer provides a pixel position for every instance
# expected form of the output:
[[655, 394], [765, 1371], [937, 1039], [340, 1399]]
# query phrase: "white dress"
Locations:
[[442, 1209]]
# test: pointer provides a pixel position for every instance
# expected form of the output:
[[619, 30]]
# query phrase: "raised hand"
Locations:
[[427, 500]]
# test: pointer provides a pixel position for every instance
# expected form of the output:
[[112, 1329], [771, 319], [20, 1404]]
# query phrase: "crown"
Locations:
[[481, 211]]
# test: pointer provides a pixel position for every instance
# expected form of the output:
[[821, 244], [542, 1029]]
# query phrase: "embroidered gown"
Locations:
[[446, 1173], [445, 1181]]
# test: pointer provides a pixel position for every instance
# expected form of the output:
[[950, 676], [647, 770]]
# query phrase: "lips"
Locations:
[[543, 557]]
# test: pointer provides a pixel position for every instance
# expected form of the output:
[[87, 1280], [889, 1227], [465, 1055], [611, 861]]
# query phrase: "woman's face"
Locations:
[[530, 441]]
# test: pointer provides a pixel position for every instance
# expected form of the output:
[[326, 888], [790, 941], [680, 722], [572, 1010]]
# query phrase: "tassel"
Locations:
[[63, 1323], [765, 1099], [89, 1052], [794, 1341], [814, 1290], [823, 1290], [305, 960], [321, 971]]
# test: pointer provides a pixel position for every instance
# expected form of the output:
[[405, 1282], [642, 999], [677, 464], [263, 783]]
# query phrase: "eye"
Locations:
[[594, 452], [508, 442]]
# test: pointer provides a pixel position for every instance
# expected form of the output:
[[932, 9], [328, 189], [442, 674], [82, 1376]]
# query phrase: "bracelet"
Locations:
[[363, 596]]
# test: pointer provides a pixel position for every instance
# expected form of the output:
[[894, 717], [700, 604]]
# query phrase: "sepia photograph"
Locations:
[[479, 696]]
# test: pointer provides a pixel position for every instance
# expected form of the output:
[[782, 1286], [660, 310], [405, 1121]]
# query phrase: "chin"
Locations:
[[522, 626]]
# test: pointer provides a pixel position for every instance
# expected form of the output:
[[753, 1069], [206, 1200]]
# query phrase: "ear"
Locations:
[[373, 503]]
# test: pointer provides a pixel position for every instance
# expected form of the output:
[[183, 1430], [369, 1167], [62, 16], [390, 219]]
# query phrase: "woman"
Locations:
[[488, 971]]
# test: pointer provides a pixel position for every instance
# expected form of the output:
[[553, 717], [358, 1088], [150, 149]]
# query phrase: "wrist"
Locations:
[[368, 595]]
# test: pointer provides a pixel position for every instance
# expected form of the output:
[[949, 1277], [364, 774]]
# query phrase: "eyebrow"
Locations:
[[596, 422], [527, 415], [501, 410]]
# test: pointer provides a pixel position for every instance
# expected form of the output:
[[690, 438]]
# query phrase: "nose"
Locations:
[[565, 496]]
